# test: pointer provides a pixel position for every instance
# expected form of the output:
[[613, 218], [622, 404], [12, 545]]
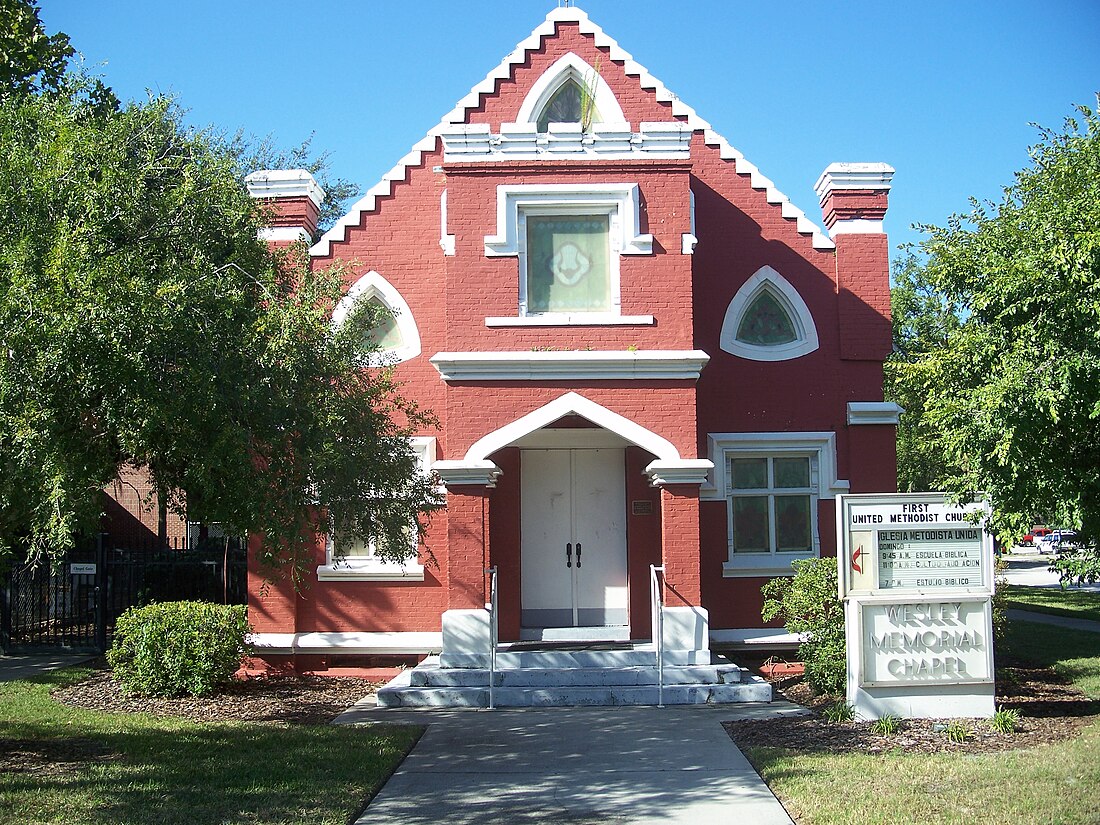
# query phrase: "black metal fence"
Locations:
[[73, 605]]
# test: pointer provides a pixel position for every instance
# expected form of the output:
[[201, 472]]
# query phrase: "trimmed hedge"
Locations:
[[178, 648]]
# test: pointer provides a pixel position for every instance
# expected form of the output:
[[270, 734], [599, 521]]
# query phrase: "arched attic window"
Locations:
[[560, 95], [395, 335], [767, 320]]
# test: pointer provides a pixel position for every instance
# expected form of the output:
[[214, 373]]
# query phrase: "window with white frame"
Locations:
[[357, 560], [394, 337], [771, 485], [767, 320], [568, 239]]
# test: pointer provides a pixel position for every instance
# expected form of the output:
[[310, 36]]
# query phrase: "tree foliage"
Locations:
[[144, 324], [30, 60], [1012, 391]]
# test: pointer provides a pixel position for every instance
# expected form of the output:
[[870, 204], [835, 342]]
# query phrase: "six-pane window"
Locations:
[[771, 500]]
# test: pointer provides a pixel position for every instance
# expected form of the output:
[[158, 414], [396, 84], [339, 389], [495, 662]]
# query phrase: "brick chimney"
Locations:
[[853, 202], [295, 199]]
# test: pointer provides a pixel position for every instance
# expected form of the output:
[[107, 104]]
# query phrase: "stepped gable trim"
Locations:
[[567, 14]]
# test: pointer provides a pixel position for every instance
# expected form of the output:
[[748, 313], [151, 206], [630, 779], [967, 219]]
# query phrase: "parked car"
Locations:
[[1048, 543], [1033, 537]]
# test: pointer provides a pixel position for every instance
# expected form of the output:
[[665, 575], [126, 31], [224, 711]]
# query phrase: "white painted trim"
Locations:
[[824, 443], [373, 286], [475, 143], [279, 234], [859, 226], [763, 637], [284, 183], [687, 244], [481, 472], [684, 471], [461, 112], [622, 199], [863, 176], [570, 319], [569, 365], [784, 292], [359, 642], [565, 67], [571, 404], [874, 412], [446, 242], [748, 565]]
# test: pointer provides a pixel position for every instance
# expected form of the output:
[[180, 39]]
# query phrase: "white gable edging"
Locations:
[[369, 202]]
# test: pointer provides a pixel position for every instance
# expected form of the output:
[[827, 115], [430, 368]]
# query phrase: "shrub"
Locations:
[[839, 712], [808, 604], [178, 648], [888, 725], [958, 730], [1005, 721]]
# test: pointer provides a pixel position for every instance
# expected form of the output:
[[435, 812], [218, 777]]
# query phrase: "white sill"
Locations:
[[762, 564], [370, 571], [571, 319]]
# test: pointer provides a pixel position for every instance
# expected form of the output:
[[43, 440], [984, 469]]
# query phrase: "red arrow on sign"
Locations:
[[855, 559]]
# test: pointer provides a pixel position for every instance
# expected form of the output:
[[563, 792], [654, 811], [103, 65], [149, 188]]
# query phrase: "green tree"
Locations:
[[923, 320], [1013, 393], [30, 60], [142, 323]]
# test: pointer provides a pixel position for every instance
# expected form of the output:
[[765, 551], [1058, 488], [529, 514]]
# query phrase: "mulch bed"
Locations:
[[292, 700], [1051, 710]]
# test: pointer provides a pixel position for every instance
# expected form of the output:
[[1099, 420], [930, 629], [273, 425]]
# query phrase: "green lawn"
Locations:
[[122, 769], [1056, 783], [1079, 604]]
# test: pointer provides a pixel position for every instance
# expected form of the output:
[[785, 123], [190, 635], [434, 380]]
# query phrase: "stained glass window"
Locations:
[[568, 263], [771, 504], [386, 334], [766, 322], [566, 105]]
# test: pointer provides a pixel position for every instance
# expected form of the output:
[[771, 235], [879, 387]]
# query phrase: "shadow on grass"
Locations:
[[133, 770]]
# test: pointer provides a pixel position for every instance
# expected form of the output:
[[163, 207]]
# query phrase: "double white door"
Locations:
[[573, 528]]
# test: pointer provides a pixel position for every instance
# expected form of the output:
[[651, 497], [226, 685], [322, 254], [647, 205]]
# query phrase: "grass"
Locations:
[[1055, 783], [87, 768], [1078, 604]]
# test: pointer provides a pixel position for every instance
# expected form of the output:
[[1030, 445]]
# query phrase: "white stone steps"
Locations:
[[755, 690], [433, 676]]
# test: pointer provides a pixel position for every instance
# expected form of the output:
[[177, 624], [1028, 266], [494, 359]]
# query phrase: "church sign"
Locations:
[[916, 578]]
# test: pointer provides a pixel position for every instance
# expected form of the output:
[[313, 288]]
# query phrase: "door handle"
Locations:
[[578, 555], [569, 555]]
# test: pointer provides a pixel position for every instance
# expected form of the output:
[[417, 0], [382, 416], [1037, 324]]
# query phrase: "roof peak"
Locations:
[[570, 14]]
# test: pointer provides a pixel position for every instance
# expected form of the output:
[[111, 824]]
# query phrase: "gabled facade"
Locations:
[[639, 351]]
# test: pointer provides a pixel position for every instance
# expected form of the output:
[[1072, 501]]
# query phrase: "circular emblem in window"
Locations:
[[569, 264]]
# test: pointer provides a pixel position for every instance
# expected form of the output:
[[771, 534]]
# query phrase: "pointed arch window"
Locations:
[[394, 338], [558, 96], [767, 320]]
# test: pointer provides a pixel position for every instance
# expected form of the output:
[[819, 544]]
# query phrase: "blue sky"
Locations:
[[942, 91]]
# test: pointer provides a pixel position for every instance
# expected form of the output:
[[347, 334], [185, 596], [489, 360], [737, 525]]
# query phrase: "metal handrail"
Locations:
[[492, 571], [657, 605]]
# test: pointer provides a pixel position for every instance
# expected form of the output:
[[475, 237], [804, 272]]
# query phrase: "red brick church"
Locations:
[[640, 353]]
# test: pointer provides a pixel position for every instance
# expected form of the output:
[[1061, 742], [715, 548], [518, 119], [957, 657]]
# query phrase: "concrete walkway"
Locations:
[[583, 766], [26, 665], [1049, 618]]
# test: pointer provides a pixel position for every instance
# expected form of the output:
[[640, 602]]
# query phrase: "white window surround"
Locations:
[[781, 289], [621, 201], [874, 412], [570, 319], [569, 67], [567, 365], [820, 446], [373, 286], [368, 568]]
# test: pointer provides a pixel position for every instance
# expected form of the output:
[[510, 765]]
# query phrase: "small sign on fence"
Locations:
[[82, 569]]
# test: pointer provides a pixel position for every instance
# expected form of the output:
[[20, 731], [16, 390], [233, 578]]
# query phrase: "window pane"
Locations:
[[568, 264], [353, 548], [563, 107], [750, 473], [750, 524], [385, 335], [792, 472], [792, 523], [766, 323]]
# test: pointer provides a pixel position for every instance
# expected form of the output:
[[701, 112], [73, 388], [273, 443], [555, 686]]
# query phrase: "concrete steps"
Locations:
[[573, 678]]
